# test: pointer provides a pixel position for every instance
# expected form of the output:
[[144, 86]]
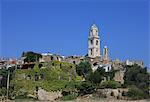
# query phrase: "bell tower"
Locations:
[[93, 42]]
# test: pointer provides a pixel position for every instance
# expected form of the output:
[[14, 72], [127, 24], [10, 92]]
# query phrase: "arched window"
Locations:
[[57, 58], [52, 58]]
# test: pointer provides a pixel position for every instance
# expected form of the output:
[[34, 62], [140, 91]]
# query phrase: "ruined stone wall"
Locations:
[[48, 58], [119, 76], [111, 93], [74, 59]]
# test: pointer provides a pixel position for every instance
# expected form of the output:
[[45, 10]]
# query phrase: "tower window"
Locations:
[[96, 32], [96, 42]]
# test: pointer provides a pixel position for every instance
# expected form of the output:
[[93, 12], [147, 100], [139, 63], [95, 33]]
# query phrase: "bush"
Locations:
[[2, 91], [136, 93], [22, 94], [70, 96], [110, 84], [85, 88], [137, 76]]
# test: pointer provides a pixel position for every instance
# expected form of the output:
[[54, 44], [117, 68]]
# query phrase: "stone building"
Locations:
[[119, 75], [46, 57], [140, 63], [74, 59], [117, 64]]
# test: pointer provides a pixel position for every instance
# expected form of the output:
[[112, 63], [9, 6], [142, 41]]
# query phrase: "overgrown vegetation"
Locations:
[[139, 78], [71, 96], [84, 69], [53, 76], [136, 93], [3, 80], [97, 76], [110, 84], [71, 80]]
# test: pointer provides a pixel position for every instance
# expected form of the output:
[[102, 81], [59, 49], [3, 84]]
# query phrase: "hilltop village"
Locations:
[[47, 76], [94, 57]]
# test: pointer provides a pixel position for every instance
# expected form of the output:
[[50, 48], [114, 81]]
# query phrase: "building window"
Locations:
[[108, 68], [91, 52], [96, 42], [52, 58], [96, 50], [91, 42]]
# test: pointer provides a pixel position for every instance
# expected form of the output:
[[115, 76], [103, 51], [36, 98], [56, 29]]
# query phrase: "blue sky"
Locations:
[[62, 27]]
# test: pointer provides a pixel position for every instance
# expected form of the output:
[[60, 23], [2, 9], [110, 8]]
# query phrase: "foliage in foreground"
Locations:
[[135, 93], [70, 96], [97, 76], [110, 84], [139, 78], [85, 87], [83, 69]]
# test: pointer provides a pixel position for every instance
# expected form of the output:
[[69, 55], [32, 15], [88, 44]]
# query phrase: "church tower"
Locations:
[[93, 42]]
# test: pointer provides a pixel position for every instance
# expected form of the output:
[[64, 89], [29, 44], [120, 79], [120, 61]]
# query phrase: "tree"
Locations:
[[31, 56], [4, 75], [97, 76], [83, 69], [3, 91], [110, 74], [138, 76]]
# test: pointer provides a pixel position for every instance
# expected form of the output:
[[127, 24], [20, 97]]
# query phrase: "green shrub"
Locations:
[[110, 84], [78, 78], [85, 88], [70, 97], [2, 91], [22, 94], [136, 93]]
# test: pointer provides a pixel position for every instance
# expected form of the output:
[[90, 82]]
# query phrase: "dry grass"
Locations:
[[105, 100]]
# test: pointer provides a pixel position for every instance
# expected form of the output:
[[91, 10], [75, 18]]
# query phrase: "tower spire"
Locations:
[[105, 53]]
